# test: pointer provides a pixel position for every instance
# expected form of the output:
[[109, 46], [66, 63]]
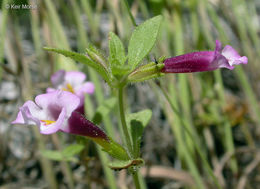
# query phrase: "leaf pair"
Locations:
[[141, 43]]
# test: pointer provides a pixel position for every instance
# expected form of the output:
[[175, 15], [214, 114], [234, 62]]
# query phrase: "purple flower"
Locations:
[[56, 111], [204, 60], [72, 81]]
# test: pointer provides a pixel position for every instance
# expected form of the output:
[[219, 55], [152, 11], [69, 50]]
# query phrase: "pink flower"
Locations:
[[56, 111], [74, 82], [204, 60]]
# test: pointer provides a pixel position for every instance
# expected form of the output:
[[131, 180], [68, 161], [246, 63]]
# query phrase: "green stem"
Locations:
[[126, 135], [123, 121], [136, 180]]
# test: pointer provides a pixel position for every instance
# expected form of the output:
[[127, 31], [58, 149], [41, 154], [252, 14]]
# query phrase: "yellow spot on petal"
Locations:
[[47, 122], [68, 88]]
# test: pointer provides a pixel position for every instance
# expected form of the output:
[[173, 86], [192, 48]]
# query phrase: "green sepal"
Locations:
[[112, 148], [119, 165], [100, 68], [97, 56], [146, 72]]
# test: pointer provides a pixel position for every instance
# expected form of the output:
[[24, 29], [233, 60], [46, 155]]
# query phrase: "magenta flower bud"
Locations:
[[79, 125], [204, 60]]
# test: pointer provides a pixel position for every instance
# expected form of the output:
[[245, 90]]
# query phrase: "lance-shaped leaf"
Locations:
[[117, 56], [136, 123], [143, 40], [100, 68]]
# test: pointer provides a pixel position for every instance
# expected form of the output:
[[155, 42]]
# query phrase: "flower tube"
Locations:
[[204, 60]]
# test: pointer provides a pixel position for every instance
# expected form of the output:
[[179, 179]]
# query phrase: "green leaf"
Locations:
[[117, 56], [83, 59], [143, 40], [104, 109], [137, 122], [116, 50], [72, 150], [119, 165], [52, 154], [64, 155]]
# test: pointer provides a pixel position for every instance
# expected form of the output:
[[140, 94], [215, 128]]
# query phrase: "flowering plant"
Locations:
[[61, 108]]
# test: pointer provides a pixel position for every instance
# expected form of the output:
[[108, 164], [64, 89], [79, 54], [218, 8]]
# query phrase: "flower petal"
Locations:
[[74, 78], [57, 125], [58, 78], [233, 57], [54, 102], [49, 90], [218, 46], [87, 87], [29, 113]]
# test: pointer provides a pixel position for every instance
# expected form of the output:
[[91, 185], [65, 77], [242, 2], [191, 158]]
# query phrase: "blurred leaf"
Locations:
[[137, 122], [104, 109], [53, 155], [83, 59], [143, 40], [64, 155], [143, 116], [72, 150], [119, 165]]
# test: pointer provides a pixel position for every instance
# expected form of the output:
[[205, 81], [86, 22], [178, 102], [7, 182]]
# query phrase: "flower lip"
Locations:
[[204, 60]]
